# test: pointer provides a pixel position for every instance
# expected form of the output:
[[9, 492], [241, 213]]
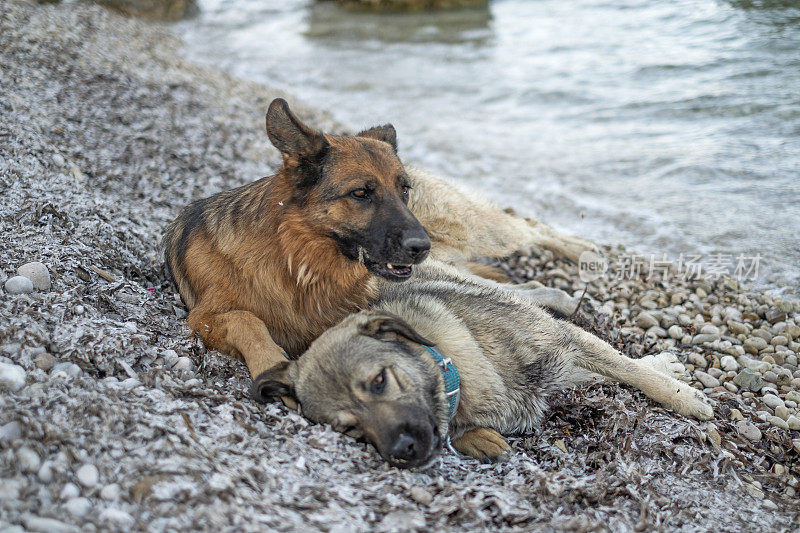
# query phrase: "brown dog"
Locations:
[[267, 267]]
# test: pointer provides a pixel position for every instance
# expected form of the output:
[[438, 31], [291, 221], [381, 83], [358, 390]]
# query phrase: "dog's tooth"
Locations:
[[389, 266]]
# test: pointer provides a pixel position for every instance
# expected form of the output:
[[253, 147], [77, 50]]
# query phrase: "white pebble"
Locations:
[[58, 160], [28, 460], [772, 401], [78, 507], [110, 492], [706, 379], [19, 285], [11, 431], [793, 422], [12, 377], [778, 422], [183, 363], [46, 525], [45, 474], [117, 517], [729, 363], [70, 491], [37, 273], [87, 475]]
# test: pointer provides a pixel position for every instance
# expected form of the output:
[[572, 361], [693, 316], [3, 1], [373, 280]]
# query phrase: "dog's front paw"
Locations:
[[666, 363], [691, 402], [484, 444]]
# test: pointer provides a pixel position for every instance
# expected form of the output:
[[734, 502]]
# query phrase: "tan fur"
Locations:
[[511, 356], [261, 275]]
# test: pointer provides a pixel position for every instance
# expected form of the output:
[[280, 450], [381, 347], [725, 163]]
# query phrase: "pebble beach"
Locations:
[[114, 417]]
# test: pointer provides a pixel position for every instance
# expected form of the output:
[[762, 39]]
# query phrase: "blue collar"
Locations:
[[452, 381]]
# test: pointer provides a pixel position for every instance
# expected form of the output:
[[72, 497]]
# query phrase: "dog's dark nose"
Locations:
[[405, 449], [417, 247]]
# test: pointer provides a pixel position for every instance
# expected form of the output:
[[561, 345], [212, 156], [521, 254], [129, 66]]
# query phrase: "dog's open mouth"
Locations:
[[390, 271]]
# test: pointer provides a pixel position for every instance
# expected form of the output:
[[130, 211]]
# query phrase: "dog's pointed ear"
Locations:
[[381, 325], [272, 383], [289, 135], [385, 133]]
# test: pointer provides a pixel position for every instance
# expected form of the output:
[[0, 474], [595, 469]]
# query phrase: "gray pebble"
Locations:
[[778, 422], [771, 376], [28, 459], [45, 473], [58, 160], [779, 340], [782, 412], [793, 396], [646, 320], [46, 525], [656, 332], [748, 430], [762, 334], [675, 332], [183, 363], [78, 507], [117, 517], [754, 345], [772, 401], [12, 377], [87, 475], [729, 363], [737, 328], [710, 329], [702, 338], [697, 360], [38, 274], [10, 431], [793, 422], [44, 361], [70, 369], [69, 491], [170, 358], [749, 379], [111, 492], [19, 285], [706, 379], [715, 373]]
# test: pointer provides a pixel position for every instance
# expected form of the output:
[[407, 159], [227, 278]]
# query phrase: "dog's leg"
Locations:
[[484, 444], [239, 333], [597, 356], [463, 226]]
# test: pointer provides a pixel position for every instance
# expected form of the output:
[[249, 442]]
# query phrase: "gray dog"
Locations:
[[449, 354]]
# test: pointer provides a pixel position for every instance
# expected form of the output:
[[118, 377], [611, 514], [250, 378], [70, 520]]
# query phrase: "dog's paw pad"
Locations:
[[666, 363], [484, 444]]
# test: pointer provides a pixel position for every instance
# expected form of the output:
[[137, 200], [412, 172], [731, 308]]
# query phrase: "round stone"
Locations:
[[782, 412], [12, 377], [111, 492], [646, 320], [10, 431], [772, 401], [675, 332], [70, 491], [28, 459], [748, 430], [754, 345], [78, 507], [793, 422], [19, 285], [45, 473], [38, 274], [729, 363], [87, 475], [778, 422], [706, 379]]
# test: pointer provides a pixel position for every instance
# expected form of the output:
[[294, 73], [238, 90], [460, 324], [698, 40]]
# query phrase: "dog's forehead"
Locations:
[[354, 156]]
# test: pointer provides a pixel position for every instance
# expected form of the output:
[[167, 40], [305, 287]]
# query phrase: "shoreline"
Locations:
[[122, 420]]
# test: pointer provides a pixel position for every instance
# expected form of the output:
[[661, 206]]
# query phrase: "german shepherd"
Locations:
[[371, 376], [267, 267]]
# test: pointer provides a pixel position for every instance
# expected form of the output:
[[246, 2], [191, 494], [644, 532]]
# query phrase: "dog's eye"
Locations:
[[406, 189], [360, 194], [378, 384]]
